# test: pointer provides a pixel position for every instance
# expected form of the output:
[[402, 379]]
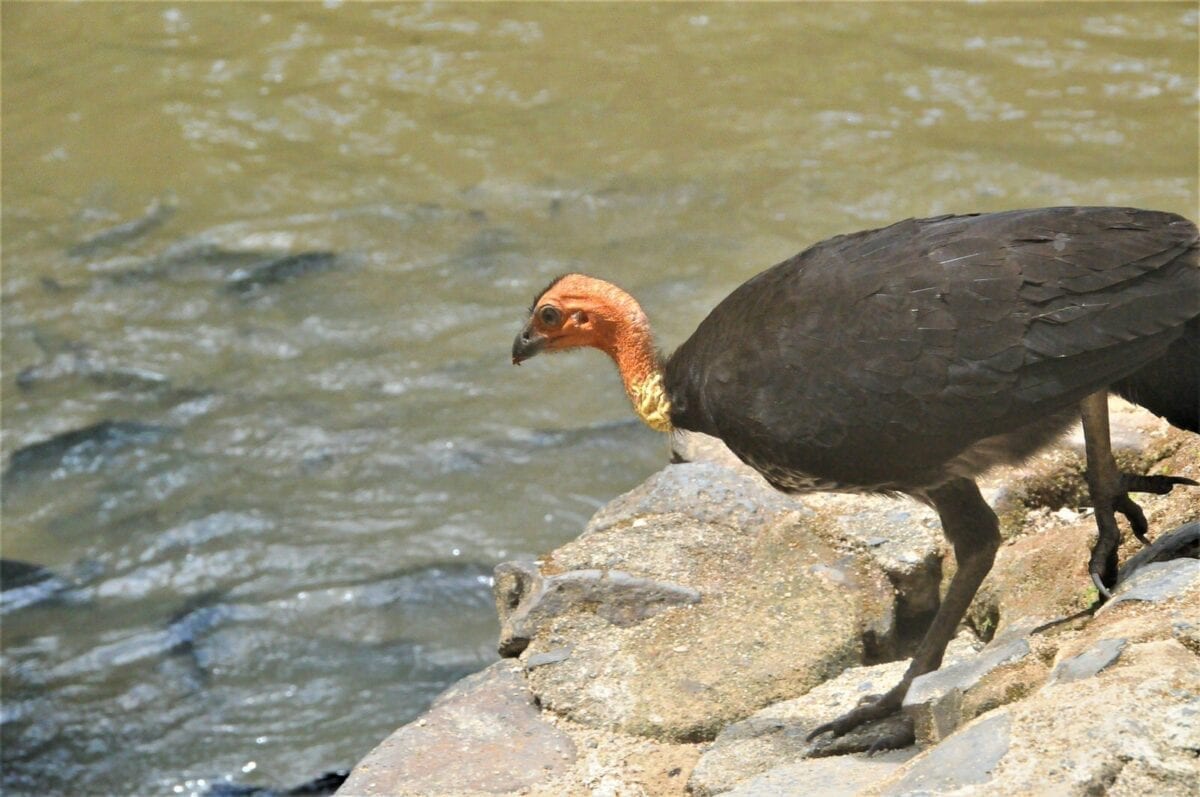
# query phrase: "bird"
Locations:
[[910, 359]]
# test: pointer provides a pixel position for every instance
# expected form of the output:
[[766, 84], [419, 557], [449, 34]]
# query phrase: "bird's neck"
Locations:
[[632, 348]]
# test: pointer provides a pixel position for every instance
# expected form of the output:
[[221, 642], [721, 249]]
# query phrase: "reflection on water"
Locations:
[[263, 264]]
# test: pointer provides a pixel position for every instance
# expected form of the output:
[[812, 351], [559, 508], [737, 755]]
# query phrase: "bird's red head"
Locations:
[[576, 311]]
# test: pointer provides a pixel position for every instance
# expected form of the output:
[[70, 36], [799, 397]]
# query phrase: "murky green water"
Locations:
[[280, 549]]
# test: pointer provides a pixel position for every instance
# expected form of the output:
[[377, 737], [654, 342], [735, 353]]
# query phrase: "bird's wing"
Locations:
[[921, 338]]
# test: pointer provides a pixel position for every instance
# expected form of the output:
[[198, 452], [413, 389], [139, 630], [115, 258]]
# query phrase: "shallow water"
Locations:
[[267, 260]]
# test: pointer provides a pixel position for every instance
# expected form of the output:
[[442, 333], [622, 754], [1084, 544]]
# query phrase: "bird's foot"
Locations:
[[1138, 483], [1103, 564], [888, 728]]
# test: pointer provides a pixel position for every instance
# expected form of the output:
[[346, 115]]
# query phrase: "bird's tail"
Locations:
[[1170, 385]]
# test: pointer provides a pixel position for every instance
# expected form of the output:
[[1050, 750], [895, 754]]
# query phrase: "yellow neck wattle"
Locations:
[[650, 402]]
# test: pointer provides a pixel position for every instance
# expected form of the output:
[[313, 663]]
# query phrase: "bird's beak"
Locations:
[[527, 344]]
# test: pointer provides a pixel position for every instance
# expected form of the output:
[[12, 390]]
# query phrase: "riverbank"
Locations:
[[702, 624]]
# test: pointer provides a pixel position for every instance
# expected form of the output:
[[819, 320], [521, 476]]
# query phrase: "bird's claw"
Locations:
[[1103, 561], [1138, 483], [889, 730], [869, 709]]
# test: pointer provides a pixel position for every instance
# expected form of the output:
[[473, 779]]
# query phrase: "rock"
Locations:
[[1182, 542], [843, 776], [701, 492], [24, 584], [1009, 668], [1157, 582], [689, 446], [14, 574], [321, 786], [967, 758], [618, 597], [940, 701], [280, 269], [156, 213], [81, 449], [484, 734], [904, 539], [1088, 663], [776, 735], [78, 361], [1130, 728], [781, 608]]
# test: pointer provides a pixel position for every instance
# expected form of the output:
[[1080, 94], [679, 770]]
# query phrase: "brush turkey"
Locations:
[[912, 358]]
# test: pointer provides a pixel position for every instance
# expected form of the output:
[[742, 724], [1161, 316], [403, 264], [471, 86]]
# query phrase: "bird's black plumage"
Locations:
[[896, 359]]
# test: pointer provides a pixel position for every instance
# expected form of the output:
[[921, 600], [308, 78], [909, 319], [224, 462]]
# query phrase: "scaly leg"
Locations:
[[1109, 490], [971, 527]]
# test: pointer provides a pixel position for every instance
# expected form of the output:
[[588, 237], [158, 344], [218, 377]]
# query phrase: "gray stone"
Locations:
[[1181, 542], [618, 597], [843, 776], [549, 657], [484, 734], [703, 491], [1157, 582], [968, 757], [777, 734], [1088, 663], [698, 447], [935, 700]]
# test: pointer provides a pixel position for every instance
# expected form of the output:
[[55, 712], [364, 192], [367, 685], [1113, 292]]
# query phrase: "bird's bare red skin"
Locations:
[[597, 314]]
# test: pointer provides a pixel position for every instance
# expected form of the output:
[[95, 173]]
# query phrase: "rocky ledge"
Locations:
[[701, 625]]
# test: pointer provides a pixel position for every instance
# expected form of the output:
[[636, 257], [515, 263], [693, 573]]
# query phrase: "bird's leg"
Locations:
[[972, 528], [1109, 490], [1104, 483]]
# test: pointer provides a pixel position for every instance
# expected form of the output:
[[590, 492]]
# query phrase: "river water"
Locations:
[[263, 263]]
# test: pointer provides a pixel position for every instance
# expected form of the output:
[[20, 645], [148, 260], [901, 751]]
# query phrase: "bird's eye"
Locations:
[[549, 315]]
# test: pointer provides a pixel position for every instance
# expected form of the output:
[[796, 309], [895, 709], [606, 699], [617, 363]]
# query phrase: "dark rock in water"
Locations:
[[15, 573], [25, 584], [198, 615], [321, 786], [156, 213], [81, 448], [193, 259], [327, 783], [81, 362], [282, 269]]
